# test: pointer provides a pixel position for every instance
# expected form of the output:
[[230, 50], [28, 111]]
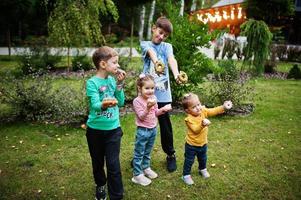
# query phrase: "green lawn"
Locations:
[[255, 157]]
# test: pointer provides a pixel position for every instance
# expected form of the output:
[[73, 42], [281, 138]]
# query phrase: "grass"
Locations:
[[255, 157]]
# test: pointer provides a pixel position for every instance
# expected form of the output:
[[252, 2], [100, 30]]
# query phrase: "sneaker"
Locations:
[[148, 172], [171, 163], [187, 179], [204, 173], [141, 179], [100, 193]]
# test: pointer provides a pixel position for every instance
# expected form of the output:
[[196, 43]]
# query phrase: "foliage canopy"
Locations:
[[76, 23]]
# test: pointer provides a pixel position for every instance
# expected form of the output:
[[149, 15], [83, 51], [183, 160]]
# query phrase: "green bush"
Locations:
[[130, 88], [81, 62], [36, 100], [38, 60], [111, 38], [229, 84], [294, 72], [258, 38]]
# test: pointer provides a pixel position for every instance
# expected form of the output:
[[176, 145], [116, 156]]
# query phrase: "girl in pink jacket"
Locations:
[[146, 110]]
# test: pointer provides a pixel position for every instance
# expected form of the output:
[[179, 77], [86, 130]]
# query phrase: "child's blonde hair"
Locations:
[[187, 99], [103, 53]]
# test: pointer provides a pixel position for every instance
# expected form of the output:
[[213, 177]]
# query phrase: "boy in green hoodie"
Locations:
[[105, 95]]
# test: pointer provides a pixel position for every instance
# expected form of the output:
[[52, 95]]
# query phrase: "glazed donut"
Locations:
[[159, 67], [183, 77]]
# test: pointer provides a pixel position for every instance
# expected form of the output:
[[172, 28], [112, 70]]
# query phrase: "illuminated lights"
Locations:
[[232, 13], [239, 15], [225, 15], [219, 15]]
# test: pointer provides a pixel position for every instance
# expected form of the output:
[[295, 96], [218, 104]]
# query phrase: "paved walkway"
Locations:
[[123, 51]]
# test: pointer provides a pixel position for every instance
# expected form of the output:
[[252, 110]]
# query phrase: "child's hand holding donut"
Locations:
[[167, 108], [182, 78], [228, 105], [108, 102], [151, 102], [120, 75], [159, 67], [206, 122]]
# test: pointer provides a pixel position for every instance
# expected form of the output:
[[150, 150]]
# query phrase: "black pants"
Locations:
[[166, 132], [104, 147]]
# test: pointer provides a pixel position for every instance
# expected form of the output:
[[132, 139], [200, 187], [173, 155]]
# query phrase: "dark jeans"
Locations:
[[190, 153], [104, 147], [166, 132]]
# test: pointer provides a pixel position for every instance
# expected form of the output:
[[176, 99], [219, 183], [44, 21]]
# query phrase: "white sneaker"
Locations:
[[188, 180], [148, 172], [204, 173], [141, 179]]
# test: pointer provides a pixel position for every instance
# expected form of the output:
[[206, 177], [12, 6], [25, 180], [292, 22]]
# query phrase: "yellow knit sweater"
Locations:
[[196, 134]]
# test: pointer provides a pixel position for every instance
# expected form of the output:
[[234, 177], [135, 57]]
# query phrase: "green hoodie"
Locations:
[[96, 90]]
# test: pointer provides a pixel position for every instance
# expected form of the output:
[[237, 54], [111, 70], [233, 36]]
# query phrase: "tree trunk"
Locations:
[[193, 6], [8, 41], [182, 8], [132, 35], [142, 20], [150, 19]]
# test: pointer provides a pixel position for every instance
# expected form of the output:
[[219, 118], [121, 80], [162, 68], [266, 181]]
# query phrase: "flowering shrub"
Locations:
[[37, 100], [229, 84]]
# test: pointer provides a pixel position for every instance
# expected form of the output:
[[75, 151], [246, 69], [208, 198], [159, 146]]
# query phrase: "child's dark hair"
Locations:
[[103, 53], [186, 99], [144, 78], [165, 24]]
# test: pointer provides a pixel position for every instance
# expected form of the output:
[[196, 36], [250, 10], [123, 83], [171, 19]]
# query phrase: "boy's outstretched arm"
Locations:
[[173, 64], [152, 55]]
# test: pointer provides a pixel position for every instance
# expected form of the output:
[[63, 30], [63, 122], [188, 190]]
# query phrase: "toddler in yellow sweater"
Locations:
[[196, 135]]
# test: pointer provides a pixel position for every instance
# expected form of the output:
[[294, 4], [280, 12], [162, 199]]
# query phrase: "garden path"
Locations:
[[123, 51]]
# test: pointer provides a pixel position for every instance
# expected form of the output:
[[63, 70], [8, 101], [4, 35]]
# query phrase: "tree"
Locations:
[[258, 41], [257, 9], [142, 20], [182, 8], [12, 14], [150, 19], [193, 6], [76, 22], [133, 4]]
